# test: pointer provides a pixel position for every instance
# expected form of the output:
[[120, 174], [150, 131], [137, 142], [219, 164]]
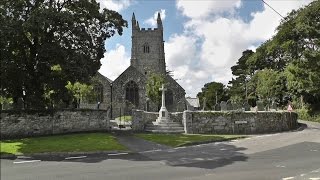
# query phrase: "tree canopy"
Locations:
[[46, 43], [213, 92], [288, 64], [154, 83]]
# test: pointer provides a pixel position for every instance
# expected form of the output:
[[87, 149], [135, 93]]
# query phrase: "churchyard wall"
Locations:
[[37, 123], [223, 122], [235, 122]]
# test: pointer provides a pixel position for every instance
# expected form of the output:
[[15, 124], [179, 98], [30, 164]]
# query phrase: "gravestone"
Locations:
[[273, 106], [229, 106], [246, 106], [217, 107], [260, 106], [204, 103], [20, 104], [223, 106], [236, 106]]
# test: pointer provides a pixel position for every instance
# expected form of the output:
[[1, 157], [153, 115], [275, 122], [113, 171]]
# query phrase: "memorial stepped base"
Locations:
[[164, 127]]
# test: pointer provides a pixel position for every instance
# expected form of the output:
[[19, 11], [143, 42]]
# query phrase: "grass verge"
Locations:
[[124, 118], [85, 142], [176, 140]]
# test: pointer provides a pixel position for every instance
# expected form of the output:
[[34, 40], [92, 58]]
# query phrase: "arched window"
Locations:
[[169, 97], [98, 89], [146, 48], [132, 93]]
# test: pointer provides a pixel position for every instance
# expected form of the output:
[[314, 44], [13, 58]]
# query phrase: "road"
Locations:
[[288, 155]]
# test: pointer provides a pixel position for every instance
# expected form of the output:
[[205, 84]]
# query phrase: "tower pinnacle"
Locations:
[[159, 21]]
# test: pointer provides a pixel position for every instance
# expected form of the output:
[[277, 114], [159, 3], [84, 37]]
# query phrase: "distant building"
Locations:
[[192, 104]]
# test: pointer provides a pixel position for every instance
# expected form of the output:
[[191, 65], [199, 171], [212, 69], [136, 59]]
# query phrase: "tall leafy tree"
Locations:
[[242, 72], [45, 43], [269, 84], [213, 92], [299, 35], [154, 83]]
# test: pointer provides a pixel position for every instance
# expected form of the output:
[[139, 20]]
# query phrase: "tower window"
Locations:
[[146, 48]]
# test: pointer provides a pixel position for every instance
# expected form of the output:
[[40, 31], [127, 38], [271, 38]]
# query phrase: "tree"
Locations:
[[154, 83], [213, 92], [238, 87], [294, 52], [299, 35], [81, 91], [46, 43], [269, 84]]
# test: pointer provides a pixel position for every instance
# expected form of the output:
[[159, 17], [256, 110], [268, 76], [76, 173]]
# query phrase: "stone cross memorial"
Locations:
[[223, 106], [163, 113]]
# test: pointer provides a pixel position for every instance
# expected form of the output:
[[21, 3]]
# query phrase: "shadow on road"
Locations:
[[208, 156]]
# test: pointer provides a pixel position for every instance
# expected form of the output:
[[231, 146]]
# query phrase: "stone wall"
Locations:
[[233, 122], [141, 118], [36, 123]]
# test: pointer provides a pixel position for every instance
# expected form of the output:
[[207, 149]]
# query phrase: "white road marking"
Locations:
[[302, 175], [151, 151], [180, 147], [280, 166], [77, 157], [287, 178], [313, 150], [20, 162], [316, 178], [223, 149], [117, 154]]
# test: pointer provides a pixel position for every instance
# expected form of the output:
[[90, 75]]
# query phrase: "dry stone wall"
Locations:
[[37, 123], [233, 122]]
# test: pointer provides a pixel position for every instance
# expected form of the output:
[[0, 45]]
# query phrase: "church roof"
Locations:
[[130, 68], [173, 80], [104, 77]]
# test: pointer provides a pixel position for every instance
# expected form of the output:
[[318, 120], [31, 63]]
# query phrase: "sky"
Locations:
[[203, 38]]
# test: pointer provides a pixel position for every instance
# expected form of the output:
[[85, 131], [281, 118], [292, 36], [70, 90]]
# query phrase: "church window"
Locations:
[[132, 93], [146, 48], [98, 89], [169, 97]]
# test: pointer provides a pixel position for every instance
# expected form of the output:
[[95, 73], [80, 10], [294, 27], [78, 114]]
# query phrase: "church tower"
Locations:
[[147, 50]]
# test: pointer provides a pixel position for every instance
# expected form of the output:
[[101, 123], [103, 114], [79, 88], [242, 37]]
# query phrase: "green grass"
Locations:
[[176, 140], [124, 118], [85, 142]]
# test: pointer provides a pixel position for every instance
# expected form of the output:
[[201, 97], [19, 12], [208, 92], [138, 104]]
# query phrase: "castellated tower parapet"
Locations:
[[147, 50]]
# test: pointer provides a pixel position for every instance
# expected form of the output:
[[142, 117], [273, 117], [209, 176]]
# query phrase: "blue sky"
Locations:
[[203, 38]]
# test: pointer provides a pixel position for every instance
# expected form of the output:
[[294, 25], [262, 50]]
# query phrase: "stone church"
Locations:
[[128, 91]]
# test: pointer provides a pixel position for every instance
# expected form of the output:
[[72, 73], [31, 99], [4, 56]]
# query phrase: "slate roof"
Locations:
[[193, 102], [102, 76]]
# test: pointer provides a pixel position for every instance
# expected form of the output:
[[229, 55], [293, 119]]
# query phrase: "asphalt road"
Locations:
[[289, 155]]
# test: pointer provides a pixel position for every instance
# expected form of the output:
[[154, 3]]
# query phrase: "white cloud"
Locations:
[[204, 8], [153, 20], [114, 62], [222, 40], [115, 5]]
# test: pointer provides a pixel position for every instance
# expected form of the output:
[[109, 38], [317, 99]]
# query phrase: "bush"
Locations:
[[303, 113], [307, 115]]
